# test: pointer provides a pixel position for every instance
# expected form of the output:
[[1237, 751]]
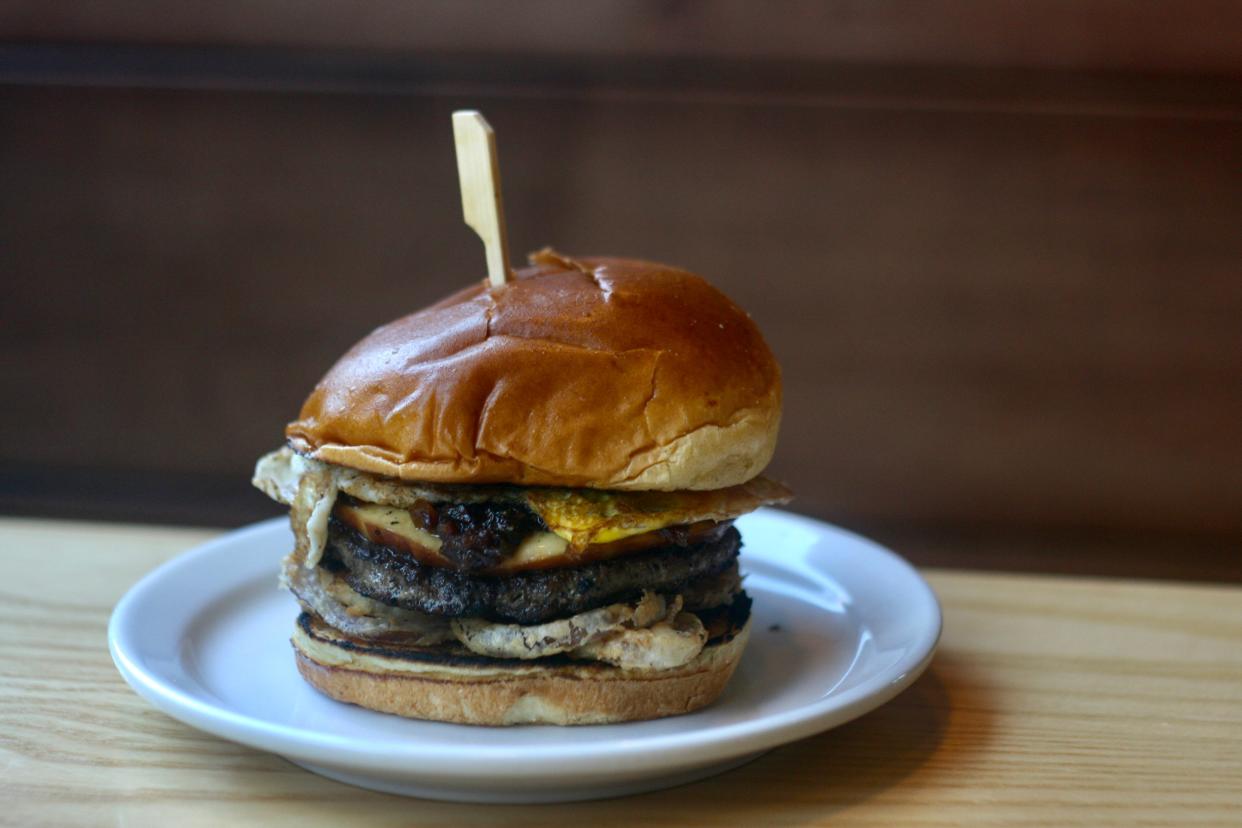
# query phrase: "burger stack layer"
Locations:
[[633, 579], [517, 505]]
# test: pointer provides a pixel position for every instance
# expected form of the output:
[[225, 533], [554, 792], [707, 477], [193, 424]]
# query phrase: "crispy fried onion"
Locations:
[[310, 487], [559, 636], [670, 643], [654, 633], [651, 634], [327, 595], [310, 496], [581, 516], [278, 473]]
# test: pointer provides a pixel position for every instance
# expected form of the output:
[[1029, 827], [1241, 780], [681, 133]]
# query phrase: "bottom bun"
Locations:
[[449, 684]]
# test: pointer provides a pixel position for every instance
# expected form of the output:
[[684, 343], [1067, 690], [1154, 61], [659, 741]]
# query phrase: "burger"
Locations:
[[517, 505]]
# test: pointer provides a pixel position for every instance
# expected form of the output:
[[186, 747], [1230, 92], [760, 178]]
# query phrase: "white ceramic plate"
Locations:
[[841, 626]]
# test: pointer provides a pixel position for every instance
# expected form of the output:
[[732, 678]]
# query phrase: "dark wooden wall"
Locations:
[[1008, 299]]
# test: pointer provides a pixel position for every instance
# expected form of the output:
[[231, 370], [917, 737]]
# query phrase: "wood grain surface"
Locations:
[[1053, 701]]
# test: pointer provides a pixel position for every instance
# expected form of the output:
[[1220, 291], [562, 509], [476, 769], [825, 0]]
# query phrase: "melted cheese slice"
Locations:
[[589, 523], [588, 516], [393, 527]]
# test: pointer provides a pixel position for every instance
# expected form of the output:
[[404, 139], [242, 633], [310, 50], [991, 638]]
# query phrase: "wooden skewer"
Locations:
[[479, 171]]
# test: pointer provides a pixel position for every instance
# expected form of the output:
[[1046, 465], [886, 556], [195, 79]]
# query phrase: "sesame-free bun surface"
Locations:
[[603, 373]]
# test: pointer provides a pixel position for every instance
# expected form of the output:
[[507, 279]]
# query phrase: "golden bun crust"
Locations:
[[601, 373], [530, 693]]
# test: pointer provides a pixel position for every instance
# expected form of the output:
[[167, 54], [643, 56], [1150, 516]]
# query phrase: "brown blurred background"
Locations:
[[997, 246]]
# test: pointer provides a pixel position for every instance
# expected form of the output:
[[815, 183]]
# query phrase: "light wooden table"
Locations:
[[1052, 701]]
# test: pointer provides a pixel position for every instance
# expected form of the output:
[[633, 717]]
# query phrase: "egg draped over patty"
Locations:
[[378, 555]]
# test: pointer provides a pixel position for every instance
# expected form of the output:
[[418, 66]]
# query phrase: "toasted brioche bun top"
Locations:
[[600, 373]]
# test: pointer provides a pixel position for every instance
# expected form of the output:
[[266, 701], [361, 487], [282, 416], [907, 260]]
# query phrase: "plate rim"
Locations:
[[652, 752]]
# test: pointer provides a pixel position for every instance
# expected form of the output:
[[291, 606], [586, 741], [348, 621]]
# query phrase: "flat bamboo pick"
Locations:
[[479, 172]]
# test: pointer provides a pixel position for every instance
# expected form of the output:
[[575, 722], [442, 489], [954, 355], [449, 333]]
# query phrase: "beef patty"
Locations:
[[525, 597]]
